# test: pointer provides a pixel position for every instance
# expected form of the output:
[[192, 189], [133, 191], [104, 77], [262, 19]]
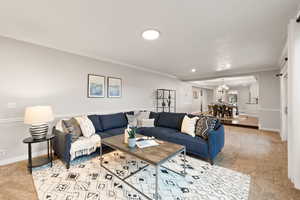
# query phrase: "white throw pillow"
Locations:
[[141, 116], [188, 125], [86, 125], [147, 123]]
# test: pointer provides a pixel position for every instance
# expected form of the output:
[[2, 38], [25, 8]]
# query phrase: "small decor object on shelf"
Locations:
[[114, 89], [96, 86], [131, 137], [38, 117]]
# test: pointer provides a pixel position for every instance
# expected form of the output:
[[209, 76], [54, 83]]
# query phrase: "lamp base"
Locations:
[[39, 131]]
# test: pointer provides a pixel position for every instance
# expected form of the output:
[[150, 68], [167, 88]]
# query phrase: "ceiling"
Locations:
[[207, 35], [229, 81]]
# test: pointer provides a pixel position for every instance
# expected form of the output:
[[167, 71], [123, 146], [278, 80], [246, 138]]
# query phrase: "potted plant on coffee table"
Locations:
[[131, 137]]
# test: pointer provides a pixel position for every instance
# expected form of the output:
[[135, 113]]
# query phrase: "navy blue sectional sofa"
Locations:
[[167, 127]]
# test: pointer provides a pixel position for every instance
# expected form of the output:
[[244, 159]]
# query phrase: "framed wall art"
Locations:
[[114, 87], [96, 86]]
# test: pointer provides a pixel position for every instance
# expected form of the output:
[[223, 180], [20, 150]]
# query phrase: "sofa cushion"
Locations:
[[129, 112], [157, 132], [96, 122], [115, 131], [170, 120], [72, 126], [111, 132], [111, 121], [155, 116], [195, 145]]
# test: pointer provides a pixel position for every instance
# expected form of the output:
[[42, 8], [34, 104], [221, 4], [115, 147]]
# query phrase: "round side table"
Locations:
[[39, 161]]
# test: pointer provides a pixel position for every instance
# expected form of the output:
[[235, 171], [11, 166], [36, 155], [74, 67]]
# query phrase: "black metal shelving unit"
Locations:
[[165, 100]]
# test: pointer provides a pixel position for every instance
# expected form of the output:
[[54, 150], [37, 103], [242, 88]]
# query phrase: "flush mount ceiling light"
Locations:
[[193, 70], [151, 34], [223, 67]]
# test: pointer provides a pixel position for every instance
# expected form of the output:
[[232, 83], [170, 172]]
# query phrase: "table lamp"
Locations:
[[38, 117]]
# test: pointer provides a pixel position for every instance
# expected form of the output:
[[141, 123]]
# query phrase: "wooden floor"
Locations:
[[242, 121], [260, 154]]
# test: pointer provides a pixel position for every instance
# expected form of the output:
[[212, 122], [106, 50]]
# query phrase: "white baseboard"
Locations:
[[269, 129], [22, 157]]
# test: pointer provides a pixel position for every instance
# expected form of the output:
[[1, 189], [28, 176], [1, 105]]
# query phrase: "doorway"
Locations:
[[197, 102], [284, 104]]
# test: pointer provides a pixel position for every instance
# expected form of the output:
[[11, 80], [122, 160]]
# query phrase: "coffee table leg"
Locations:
[[29, 158], [156, 182], [101, 155], [51, 152], [184, 161]]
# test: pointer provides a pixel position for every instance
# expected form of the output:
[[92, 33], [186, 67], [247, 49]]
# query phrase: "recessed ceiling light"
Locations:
[[193, 70], [151, 34]]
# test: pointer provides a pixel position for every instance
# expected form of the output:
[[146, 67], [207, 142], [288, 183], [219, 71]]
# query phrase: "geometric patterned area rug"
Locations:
[[86, 180]]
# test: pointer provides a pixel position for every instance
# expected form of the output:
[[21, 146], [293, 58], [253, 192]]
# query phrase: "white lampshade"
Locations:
[[38, 115]]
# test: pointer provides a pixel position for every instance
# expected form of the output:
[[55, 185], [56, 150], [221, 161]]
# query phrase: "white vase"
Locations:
[[131, 142]]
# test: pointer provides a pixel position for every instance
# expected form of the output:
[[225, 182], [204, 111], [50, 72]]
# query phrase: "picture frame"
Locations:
[[96, 86], [114, 87]]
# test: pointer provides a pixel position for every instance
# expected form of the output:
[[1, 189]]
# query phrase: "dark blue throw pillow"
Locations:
[[96, 122], [155, 116], [111, 121], [171, 120]]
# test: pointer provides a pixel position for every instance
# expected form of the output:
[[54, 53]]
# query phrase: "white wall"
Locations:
[[294, 102], [206, 98], [196, 103], [269, 100], [244, 104], [35, 75], [243, 97]]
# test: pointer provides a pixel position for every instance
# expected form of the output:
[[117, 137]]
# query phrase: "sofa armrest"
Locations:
[[216, 140], [62, 144]]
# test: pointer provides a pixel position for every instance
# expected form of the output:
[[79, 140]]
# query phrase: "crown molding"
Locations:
[[230, 73]]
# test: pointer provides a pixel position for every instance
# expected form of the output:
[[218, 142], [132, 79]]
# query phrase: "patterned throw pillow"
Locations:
[[132, 120], [86, 125], [72, 126], [204, 125]]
